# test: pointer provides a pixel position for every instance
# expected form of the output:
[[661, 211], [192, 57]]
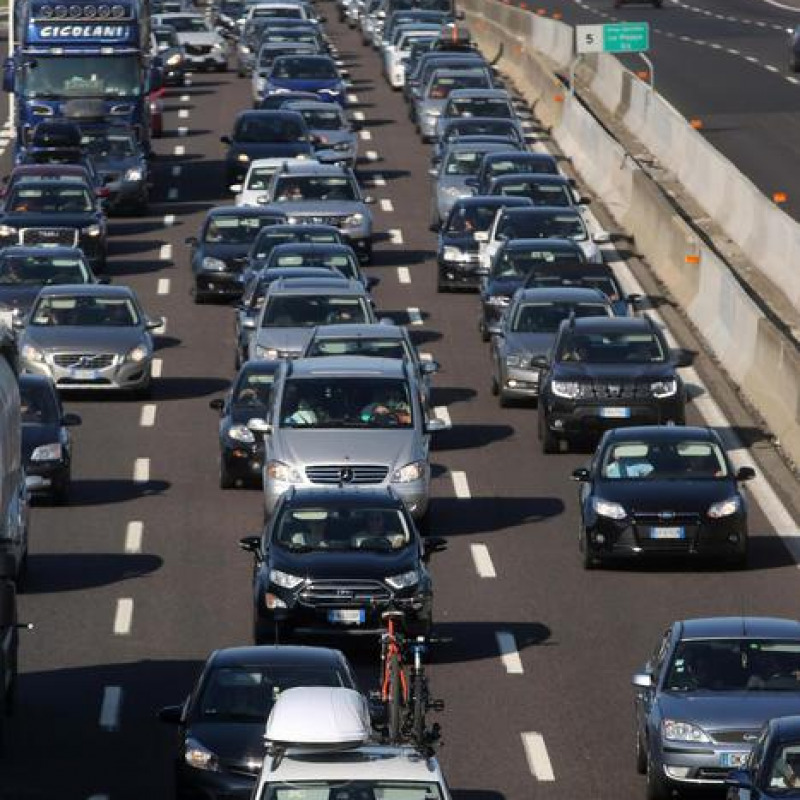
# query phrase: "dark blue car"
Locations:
[[315, 74]]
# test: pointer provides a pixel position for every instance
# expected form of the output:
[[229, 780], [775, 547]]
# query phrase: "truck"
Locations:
[[82, 60]]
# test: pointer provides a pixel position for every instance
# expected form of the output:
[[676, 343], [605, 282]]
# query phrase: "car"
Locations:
[[482, 103], [705, 694], [606, 372], [274, 235], [123, 167], [25, 270], [335, 141], [267, 53], [510, 264], [507, 131], [241, 450], [294, 306], [351, 538], [662, 491], [495, 165], [318, 74], [396, 56], [363, 415], [338, 258], [54, 212], [467, 225], [219, 254], [274, 102], [168, 52], [273, 9], [307, 35], [89, 337], [433, 97], [402, 18], [9, 644], [204, 48], [255, 30], [229, 13], [325, 194], [46, 440], [417, 78], [220, 725], [794, 49], [264, 134], [83, 170], [543, 190], [527, 330], [252, 190], [51, 141]]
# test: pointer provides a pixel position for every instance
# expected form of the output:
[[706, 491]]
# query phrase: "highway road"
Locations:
[[140, 578]]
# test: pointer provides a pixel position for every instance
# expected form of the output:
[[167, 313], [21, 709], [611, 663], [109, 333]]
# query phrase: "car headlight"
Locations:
[[134, 174], [354, 219], [283, 473], [199, 756], [47, 452], [284, 579], [138, 354], [241, 433], [662, 389], [403, 580], [212, 264], [453, 191], [93, 231], [454, 254], [174, 60], [724, 508], [605, 508], [269, 353], [245, 49], [31, 353], [7, 230], [243, 157], [676, 731], [414, 471], [568, 389], [497, 300], [433, 112]]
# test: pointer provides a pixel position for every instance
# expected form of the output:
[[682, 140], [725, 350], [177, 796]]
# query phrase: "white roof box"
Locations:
[[319, 717]]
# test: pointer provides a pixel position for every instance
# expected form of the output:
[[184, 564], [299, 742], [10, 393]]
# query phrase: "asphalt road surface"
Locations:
[[136, 581]]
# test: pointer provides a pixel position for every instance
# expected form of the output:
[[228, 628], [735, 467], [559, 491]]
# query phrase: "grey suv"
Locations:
[[348, 421]]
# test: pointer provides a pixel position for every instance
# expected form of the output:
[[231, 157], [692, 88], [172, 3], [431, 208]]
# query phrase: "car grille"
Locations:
[[615, 390], [62, 237], [84, 360], [735, 736], [338, 593], [323, 219], [198, 49], [655, 520], [334, 474], [713, 773]]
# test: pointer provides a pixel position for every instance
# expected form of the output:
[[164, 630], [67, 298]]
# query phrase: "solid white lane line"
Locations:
[[176, 171], [155, 370], [507, 645], [460, 485], [371, 155], [414, 316], [179, 150], [123, 618], [386, 204], [172, 194], [133, 536], [403, 275], [395, 236], [366, 136], [165, 252], [148, 415], [111, 708], [183, 131], [163, 286], [183, 113], [483, 561], [169, 220], [536, 753], [441, 412], [141, 470]]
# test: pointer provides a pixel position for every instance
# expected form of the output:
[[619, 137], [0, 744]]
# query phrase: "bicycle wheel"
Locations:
[[395, 699], [420, 703]]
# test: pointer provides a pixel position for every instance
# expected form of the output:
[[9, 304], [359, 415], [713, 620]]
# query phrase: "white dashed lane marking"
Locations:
[[133, 536], [111, 708], [371, 155], [183, 113], [378, 180], [179, 150], [365, 135], [183, 131], [141, 470], [403, 275], [157, 367], [395, 236], [536, 753], [509, 655], [163, 286], [169, 220], [386, 204], [123, 618], [460, 485], [148, 416], [483, 561], [414, 315]]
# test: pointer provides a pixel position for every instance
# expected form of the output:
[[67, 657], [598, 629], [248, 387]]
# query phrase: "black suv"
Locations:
[[332, 562], [605, 372]]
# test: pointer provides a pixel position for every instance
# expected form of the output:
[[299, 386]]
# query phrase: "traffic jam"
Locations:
[[338, 677]]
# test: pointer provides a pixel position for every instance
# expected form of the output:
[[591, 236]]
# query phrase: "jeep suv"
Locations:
[[604, 372]]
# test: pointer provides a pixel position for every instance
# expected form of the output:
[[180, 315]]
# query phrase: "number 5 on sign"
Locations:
[[589, 39]]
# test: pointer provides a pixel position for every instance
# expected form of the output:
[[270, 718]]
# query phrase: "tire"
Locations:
[[641, 755], [199, 298], [495, 388], [548, 439], [442, 288], [145, 392], [484, 331], [739, 561], [60, 494], [225, 479], [263, 631], [394, 701], [588, 561], [420, 695], [657, 786]]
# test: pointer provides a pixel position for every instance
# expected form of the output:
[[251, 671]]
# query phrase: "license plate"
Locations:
[[615, 412], [83, 374], [733, 760], [674, 532], [347, 616]]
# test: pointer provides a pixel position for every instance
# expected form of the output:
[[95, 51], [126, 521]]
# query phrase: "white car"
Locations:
[[204, 48], [253, 190], [394, 54], [282, 9]]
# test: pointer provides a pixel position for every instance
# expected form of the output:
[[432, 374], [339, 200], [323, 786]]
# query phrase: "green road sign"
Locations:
[[622, 37]]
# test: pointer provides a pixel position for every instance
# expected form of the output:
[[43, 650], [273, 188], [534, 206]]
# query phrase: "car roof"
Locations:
[[363, 330], [492, 94], [313, 57], [494, 200], [260, 366], [313, 167], [561, 294], [612, 324], [538, 177], [352, 495], [454, 122], [543, 211], [524, 154], [315, 105], [243, 211], [295, 655], [312, 247], [662, 433], [26, 250], [317, 286], [539, 243], [447, 71], [86, 290], [68, 170], [348, 366], [466, 144], [269, 276], [273, 113], [740, 627], [285, 227]]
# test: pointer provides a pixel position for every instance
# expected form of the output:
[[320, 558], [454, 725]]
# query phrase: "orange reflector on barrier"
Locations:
[[557, 15], [692, 259], [697, 124], [559, 98], [541, 11], [643, 74], [780, 197]]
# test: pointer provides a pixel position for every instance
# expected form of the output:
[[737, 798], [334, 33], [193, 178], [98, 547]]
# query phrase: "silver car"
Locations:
[[293, 307], [486, 103], [335, 141], [203, 46], [89, 337], [348, 419]]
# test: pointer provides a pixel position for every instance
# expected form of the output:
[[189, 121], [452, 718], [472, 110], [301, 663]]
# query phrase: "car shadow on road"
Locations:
[[461, 642], [450, 395], [450, 516], [70, 572], [187, 388], [401, 257], [464, 437], [102, 492], [127, 267]]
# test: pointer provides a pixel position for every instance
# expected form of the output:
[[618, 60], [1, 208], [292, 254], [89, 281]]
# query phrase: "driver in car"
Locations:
[[392, 409]]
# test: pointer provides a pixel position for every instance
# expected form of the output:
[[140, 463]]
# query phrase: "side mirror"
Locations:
[[236, 188], [429, 367], [740, 779], [581, 475], [745, 474], [683, 358], [225, 139], [258, 425], [217, 404], [191, 240], [154, 323], [541, 362], [18, 323], [372, 281], [643, 680], [249, 324], [369, 200], [251, 544], [481, 236], [9, 74], [71, 420], [171, 714], [585, 201], [433, 544], [633, 300], [436, 425]]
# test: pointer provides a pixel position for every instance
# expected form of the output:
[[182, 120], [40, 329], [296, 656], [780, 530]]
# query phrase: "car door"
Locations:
[[645, 697]]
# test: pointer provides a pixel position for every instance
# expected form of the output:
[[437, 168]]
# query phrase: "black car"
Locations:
[[242, 450], [221, 723], [662, 490], [331, 563], [47, 212], [606, 372], [512, 161], [169, 55], [46, 442], [220, 254], [509, 269], [457, 255], [264, 134], [9, 642], [271, 237]]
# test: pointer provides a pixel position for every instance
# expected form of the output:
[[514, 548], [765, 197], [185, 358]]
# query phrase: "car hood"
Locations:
[[348, 564], [725, 710], [269, 149], [69, 339], [199, 38], [333, 137], [30, 220], [306, 84], [679, 496], [534, 343], [293, 340], [463, 241], [454, 181], [233, 742], [231, 254], [21, 297], [322, 207], [503, 286], [617, 372], [34, 435]]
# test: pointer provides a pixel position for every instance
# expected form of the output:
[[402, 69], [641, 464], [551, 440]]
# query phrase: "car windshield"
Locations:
[[115, 145], [734, 665], [784, 777], [246, 693], [306, 311], [314, 187], [268, 239], [85, 311], [258, 129], [289, 36], [341, 262], [518, 263], [37, 404], [441, 86], [253, 389], [323, 119], [464, 162], [41, 270], [342, 528], [50, 199], [357, 346], [481, 127], [471, 218], [684, 459], [304, 69], [259, 177], [539, 193], [545, 226], [546, 317], [98, 76], [188, 24], [239, 229], [596, 347], [280, 11], [346, 403], [525, 162], [479, 107], [606, 284], [352, 790]]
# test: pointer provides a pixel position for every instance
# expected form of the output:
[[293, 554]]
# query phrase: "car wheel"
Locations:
[[641, 755], [505, 400], [61, 492], [484, 331], [226, 481], [739, 561], [588, 561], [548, 439], [264, 632], [442, 288], [144, 392], [657, 786], [495, 386], [199, 298]]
